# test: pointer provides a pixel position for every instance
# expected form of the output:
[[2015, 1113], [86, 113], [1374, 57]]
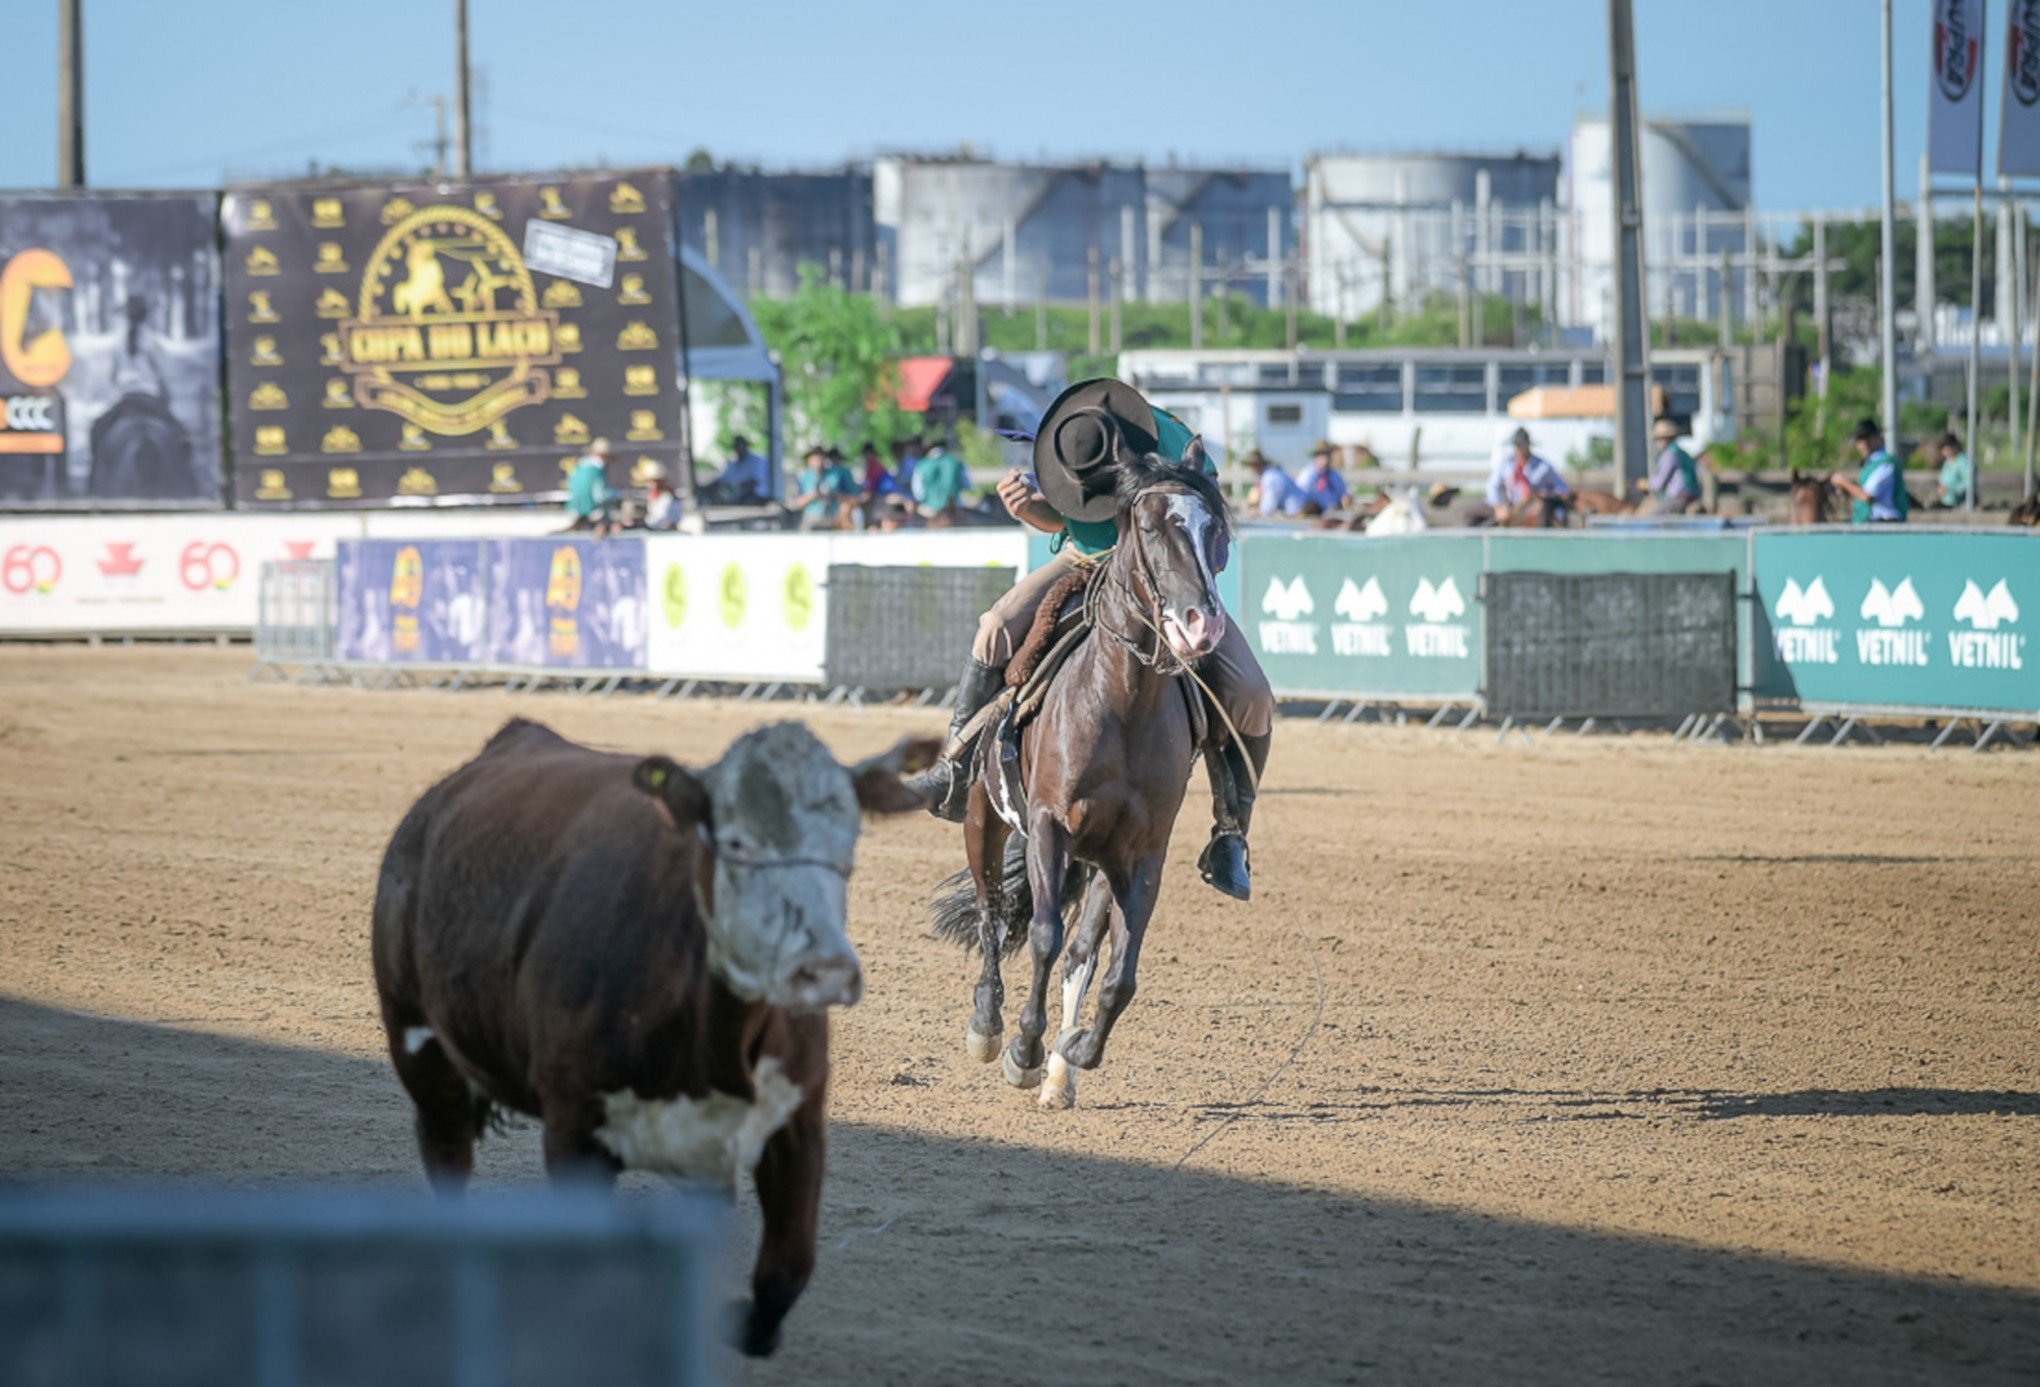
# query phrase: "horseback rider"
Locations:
[[1071, 498]]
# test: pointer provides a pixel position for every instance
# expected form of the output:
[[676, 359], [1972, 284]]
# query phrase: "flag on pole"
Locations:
[[2019, 129], [1955, 97]]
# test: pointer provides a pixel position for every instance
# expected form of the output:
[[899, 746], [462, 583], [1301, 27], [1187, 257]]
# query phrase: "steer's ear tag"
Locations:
[[666, 781]]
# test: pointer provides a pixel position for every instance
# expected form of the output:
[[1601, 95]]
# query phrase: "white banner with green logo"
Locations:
[[738, 607]]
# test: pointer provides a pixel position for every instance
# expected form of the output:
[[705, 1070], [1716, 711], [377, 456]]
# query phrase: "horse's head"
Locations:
[[1175, 533], [1808, 501]]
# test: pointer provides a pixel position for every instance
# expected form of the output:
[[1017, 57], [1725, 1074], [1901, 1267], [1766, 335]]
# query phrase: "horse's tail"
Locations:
[[956, 902]]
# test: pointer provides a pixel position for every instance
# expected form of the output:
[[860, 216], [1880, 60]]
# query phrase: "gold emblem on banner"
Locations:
[[640, 380], [567, 384], [633, 290], [640, 471], [269, 441], [261, 215], [485, 203], [332, 303], [503, 478], [624, 199], [561, 293], [262, 261], [395, 210], [567, 466], [636, 337], [570, 337], [331, 261], [407, 577], [328, 212], [260, 309], [268, 395], [447, 332], [414, 440], [330, 351], [644, 426], [570, 429], [549, 205], [272, 486], [416, 481], [338, 396], [264, 352], [627, 247], [343, 483], [340, 439]]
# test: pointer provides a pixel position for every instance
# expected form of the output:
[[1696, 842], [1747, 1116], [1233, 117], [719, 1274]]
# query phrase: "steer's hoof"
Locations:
[[983, 1048], [1020, 1075], [1059, 1090]]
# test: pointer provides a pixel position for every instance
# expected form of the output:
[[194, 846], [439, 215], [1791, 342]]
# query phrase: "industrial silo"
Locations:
[[1240, 220], [757, 228]]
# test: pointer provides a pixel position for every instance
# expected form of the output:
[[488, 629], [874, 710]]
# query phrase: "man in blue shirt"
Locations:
[[1519, 477], [1274, 492], [1319, 487], [1674, 479], [747, 481], [1877, 492]]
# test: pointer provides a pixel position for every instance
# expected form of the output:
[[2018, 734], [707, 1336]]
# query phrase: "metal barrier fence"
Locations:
[[904, 628], [1610, 645], [296, 612], [281, 1289]]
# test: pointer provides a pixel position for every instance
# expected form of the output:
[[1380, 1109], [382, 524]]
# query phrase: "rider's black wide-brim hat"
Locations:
[[1076, 451]]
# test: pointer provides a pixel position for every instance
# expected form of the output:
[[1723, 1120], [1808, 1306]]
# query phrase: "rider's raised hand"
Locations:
[[1015, 493]]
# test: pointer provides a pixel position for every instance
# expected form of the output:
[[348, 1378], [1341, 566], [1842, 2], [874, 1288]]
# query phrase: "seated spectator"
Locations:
[[1958, 474], [590, 502], [747, 481], [906, 457], [1674, 477], [1274, 493], [1520, 476], [662, 504], [1320, 489], [939, 483], [826, 491]]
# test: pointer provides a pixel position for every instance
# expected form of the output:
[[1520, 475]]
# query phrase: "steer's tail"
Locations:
[[956, 901]]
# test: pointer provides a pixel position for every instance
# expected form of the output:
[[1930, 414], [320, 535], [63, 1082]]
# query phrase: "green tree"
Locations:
[[838, 355]]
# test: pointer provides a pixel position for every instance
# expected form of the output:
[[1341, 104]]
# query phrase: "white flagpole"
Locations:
[[1887, 328], [1976, 265]]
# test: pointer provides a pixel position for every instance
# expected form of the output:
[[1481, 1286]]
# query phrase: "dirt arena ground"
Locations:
[[1605, 1059]]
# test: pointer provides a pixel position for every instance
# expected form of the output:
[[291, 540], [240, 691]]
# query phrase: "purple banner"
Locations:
[[421, 601], [567, 603]]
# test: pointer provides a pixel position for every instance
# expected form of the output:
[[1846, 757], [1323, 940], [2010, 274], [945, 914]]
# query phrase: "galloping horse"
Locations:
[[1104, 766]]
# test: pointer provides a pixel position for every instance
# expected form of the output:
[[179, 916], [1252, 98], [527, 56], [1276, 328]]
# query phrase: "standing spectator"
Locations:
[[589, 499], [1877, 492], [1321, 488], [1958, 474], [1674, 479], [747, 481], [880, 497], [939, 484], [1521, 476], [826, 487], [662, 504], [906, 457], [1274, 492]]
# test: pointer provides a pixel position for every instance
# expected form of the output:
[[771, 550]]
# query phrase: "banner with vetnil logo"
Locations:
[[2019, 132], [1955, 91]]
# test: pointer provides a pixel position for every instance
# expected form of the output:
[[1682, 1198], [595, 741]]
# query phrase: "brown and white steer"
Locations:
[[639, 955]]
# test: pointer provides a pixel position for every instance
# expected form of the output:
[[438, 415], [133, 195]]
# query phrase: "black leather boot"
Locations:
[[947, 782], [1234, 772]]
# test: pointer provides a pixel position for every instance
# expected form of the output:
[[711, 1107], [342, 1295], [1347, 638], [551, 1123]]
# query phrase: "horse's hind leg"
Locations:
[[1048, 863], [1135, 892], [984, 840], [1080, 960]]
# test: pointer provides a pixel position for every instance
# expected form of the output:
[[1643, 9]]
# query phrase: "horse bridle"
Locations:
[[1161, 659]]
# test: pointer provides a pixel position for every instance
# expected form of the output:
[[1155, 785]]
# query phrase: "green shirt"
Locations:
[[828, 487], [1957, 475], [587, 487], [1093, 537], [939, 479]]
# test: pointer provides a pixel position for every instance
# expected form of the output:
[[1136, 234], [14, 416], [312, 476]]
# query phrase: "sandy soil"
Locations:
[[1603, 1059]]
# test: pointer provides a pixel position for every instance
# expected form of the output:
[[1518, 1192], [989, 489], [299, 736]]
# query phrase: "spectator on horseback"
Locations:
[[590, 502], [939, 483], [1070, 495], [1674, 478], [1275, 492], [1320, 489], [1521, 476], [1877, 493]]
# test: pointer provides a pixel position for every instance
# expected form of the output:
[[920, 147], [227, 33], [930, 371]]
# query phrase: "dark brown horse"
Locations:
[[1811, 500], [1104, 768]]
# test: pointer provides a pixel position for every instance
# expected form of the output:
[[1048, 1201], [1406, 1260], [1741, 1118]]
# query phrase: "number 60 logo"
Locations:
[[206, 564], [30, 567]]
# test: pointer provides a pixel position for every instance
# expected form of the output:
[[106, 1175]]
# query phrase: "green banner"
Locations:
[[1881, 617], [1350, 616]]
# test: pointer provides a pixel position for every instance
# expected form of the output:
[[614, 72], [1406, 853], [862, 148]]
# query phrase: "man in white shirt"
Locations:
[[1520, 476], [662, 505]]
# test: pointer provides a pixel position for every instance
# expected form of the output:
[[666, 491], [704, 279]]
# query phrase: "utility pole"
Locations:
[[1196, 286], [70, 95], [1887, 310], [463, 106], [1091, 295], [1632, 346], [1118, 273], [1823, 322]]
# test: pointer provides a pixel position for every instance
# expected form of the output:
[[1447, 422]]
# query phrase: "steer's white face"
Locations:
[[784, 830]]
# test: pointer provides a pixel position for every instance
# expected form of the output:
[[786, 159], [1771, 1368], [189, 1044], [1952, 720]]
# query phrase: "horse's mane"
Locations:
[[1141, 474]]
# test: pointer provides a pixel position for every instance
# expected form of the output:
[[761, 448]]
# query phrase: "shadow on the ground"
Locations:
[[946, 1261]]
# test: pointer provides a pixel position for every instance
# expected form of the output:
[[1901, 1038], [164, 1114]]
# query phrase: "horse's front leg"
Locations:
[[1059, 1084], [1135, 891], [984, 841], [1048, 861]]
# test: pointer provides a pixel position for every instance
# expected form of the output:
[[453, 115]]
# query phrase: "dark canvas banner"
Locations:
[[423, 601], [448, 340], [109, 350], [567, 603]]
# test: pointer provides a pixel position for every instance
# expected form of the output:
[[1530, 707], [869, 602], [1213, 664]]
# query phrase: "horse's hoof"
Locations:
[[983, 1048], [1020, 1075], [1059, 1090]]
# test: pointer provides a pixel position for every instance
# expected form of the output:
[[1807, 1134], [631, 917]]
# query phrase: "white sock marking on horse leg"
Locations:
[[1074, 988], [417, 1038], [1059, 1085]]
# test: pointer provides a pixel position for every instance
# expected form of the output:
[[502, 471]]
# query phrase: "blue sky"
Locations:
[[184, 93]]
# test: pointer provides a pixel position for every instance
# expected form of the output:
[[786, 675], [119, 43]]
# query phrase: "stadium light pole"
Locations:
[[463, 126], [1887, 330], [1632, 345], [70, 94]]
